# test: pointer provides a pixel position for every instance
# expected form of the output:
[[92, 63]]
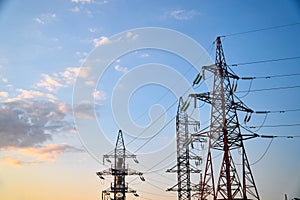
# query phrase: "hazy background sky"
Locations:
[[44, 43]]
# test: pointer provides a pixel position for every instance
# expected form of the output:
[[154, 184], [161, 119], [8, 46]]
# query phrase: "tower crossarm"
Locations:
[[235, 105], [104, 173], [205, 97]]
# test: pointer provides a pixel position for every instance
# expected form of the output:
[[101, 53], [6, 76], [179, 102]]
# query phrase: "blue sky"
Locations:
[[43, 44]]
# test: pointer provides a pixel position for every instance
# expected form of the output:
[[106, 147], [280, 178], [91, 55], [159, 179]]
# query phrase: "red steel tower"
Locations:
[[225, 136]]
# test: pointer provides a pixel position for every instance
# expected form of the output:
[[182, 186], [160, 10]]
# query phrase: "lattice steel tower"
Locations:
[[184, 129], [119, 170], [225, 136]]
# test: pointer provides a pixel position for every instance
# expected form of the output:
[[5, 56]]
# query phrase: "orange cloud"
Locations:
[[30, 94], [3, 94], [35, 155], [16, 162], [49, 152], [62, 79]]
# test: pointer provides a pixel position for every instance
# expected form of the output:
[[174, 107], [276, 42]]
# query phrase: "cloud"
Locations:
[[75, 9], [4, 80], [31, 123], [38, 20], [30, 94], [83, 1], [92, 30], [99, 95], [132, 35], [49, 83], [37, 155], [101, 41], [145, 55], [181, 14], [45, 18], [90, 1], [121, 69], [17, 162], [59, 80], [81, 55], [84, 110], [3, 94], [90, 83], [87, 110], [49, 152]]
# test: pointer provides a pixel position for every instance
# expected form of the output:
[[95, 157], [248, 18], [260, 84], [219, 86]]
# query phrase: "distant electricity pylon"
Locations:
[[184, 129], [225, 136], [119, 171]]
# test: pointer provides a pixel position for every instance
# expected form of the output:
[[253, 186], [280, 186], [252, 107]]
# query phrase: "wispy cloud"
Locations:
[[15, 162], [82, 56], [4, 80], [145, 55], [181, 14], [131, 35], [49, 152], [58, 80], [33, 94], [121, 69], [90, 1], [92, 30], [101, 41], [3, 94], [82, 1], [45, 18], [75, 9], [99, 95], [37, 155]]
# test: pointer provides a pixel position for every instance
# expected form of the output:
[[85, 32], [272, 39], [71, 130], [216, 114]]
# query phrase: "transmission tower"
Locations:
[[184, 129], [225, 136], [119, 171]]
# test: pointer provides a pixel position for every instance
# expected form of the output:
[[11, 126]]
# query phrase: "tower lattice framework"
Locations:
[[119, 171], [225, 136], [184, 130]]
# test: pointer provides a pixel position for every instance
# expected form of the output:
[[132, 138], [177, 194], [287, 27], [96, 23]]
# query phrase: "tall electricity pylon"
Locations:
[[119, 170], [184, 130], [225, 136]]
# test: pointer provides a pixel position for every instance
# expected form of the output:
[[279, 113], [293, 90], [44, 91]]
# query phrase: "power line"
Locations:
[[275, 126], [267, 89], [142, 132], [276, 111], [162, 182], [166, 93], [268, 77], [148, 140], [151, 138], [158, 163], [261, 29], [255, 135], [265, 61], [263, 155], [155, 193], [150, 171]]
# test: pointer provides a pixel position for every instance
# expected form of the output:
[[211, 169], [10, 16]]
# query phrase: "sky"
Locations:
[[74, 72]]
